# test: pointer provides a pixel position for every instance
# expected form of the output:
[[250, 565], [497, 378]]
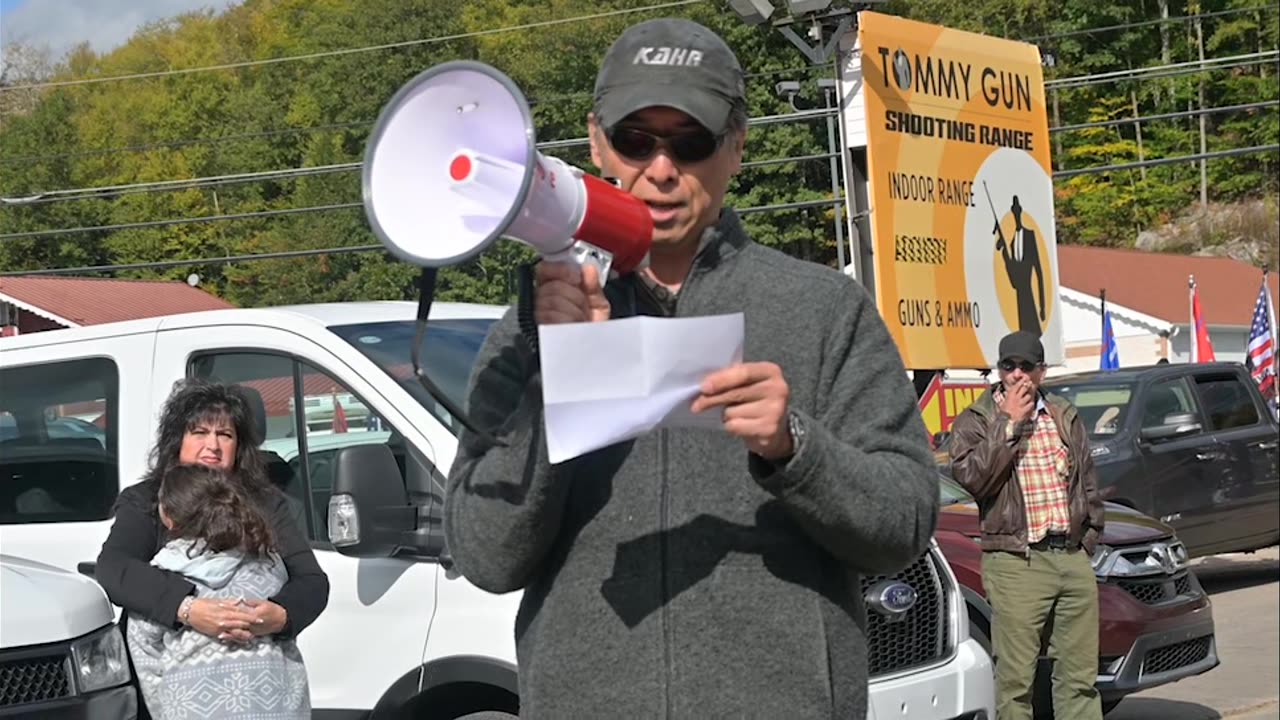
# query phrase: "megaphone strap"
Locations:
[[525, 302]]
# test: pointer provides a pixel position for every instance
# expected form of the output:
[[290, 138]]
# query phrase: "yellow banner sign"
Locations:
[[960, 190]]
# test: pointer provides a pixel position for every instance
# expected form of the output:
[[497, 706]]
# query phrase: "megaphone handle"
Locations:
[[581, 254]]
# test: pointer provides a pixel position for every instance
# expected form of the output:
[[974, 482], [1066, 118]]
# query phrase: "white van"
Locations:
[[403, 633], [61, 653]]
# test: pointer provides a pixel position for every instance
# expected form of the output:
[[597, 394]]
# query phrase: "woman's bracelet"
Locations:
[[184, 610]]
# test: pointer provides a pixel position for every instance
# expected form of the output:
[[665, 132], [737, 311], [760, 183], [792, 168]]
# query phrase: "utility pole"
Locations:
[[829, 92], [826, 27], [1204, 163]]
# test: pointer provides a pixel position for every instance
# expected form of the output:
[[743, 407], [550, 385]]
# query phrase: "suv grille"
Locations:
[[1172, 657], [923, 635], [1160, 590], [33, 680]]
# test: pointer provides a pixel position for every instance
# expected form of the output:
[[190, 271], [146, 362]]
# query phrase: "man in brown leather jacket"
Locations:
[[1024, 456]]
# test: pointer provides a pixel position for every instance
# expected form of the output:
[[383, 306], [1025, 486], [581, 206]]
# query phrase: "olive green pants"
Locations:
[[1047, 586]]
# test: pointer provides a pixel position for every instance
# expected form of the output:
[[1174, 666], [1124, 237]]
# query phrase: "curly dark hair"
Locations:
[[205, 504], [194, 401]]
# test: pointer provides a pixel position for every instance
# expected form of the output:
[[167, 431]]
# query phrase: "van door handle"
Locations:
[[1267, 444], [87, 568], [1209, 456]]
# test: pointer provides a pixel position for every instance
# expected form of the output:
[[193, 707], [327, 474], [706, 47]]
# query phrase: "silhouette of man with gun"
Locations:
[[1021, 259]]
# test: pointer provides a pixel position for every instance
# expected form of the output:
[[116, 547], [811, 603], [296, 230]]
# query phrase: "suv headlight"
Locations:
[[100, 660]]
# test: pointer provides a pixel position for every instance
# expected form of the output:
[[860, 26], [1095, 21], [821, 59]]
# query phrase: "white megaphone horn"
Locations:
[[452, 164]]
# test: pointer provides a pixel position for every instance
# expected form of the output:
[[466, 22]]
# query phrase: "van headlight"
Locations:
[[100, 660]]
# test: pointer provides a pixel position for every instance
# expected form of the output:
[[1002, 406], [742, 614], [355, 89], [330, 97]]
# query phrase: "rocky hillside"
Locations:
[[1248, 231]]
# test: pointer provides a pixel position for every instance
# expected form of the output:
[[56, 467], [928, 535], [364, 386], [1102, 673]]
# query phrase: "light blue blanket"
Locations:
[[185, 675]]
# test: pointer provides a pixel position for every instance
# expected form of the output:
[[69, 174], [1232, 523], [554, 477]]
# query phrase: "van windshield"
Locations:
[[449, 349]]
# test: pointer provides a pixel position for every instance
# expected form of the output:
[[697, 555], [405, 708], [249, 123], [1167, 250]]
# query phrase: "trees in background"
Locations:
[[317, 112]]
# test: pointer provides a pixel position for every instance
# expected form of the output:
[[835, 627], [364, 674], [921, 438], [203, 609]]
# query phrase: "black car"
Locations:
[[1194, 445]]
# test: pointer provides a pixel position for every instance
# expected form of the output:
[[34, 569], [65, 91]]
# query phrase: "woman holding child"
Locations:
[[211, 425]]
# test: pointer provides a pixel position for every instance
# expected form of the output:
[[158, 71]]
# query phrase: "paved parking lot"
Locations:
[[1246, 613]]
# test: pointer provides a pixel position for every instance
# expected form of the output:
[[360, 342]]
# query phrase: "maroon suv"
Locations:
[[1156, 623]]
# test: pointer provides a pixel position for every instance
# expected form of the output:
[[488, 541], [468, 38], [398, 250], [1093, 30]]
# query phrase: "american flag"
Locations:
[[1261, 357]]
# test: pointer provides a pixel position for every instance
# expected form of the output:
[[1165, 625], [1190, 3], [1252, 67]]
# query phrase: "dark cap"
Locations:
[[1022, 345], [672, 63]]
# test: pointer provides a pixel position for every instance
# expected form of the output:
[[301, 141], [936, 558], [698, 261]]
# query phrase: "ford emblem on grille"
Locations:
[[891, 598]]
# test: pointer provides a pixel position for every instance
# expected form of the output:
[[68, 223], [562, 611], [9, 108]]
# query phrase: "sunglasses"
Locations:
[[1025, 366], [688, 147]]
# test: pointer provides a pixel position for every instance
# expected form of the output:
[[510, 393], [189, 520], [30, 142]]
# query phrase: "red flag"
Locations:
[[339, 416], [1201, 348]]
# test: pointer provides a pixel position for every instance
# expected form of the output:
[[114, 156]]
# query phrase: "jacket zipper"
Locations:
[[666, 585]]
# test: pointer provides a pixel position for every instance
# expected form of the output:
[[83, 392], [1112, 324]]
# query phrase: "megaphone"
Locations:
[[452, 164]]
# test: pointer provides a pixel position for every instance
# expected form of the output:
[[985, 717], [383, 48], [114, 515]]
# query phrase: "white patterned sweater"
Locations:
[[185, 675]]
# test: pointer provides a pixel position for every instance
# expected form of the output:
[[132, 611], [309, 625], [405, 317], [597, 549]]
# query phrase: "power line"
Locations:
[[288, 173], [170, 185], [180, 221], [1144, 23], [163, 264], [1167, 116], [184, 143], [1158, 71], [352, 51], [806, 204], [1154, 72], [276, 132], [1077, 81], [1063, 174], [250, 177]]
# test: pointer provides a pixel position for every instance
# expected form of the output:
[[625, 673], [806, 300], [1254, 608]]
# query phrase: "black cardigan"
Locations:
[[125, 572]]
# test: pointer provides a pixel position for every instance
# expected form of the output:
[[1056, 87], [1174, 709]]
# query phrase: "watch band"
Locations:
[[796, 427]]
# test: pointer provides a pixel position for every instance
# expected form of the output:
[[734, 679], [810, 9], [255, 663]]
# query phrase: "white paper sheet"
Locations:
[[607, 382]]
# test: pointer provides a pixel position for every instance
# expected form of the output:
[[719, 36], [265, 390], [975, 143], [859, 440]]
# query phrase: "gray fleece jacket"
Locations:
[[676, 575]]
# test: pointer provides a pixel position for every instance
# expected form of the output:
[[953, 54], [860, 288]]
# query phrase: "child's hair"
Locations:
[[205, 504]]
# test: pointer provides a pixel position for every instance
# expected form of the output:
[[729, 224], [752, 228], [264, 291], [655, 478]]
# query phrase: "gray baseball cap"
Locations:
[[673, 63], [1022, 345]]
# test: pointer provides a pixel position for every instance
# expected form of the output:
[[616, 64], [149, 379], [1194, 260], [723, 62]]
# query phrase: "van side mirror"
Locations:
[[1174, 425], [370, 514]]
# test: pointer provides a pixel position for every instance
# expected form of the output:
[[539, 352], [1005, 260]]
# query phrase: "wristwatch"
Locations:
[[796, 427]]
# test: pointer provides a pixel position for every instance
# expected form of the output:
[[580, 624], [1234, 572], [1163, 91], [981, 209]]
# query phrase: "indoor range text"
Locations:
[[929, 189], [936, 313]]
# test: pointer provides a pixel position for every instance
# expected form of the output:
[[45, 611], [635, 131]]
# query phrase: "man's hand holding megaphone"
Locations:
[[568, 293]]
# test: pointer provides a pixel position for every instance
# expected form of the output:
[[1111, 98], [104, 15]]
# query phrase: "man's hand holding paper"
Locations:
[[606, 382]]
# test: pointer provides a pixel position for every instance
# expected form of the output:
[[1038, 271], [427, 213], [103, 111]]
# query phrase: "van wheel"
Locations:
[[488, 715]]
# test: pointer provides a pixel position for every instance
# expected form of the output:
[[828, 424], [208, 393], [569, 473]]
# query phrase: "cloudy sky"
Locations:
[[105, 24]]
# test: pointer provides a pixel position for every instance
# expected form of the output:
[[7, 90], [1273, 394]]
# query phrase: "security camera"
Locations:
[[787, 87]]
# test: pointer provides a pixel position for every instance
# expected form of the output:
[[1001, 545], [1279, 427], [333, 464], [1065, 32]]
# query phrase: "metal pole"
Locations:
[[855, 259], [835, 180]]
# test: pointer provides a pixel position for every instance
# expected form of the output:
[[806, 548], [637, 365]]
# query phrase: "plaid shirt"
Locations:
[[1042, 469]]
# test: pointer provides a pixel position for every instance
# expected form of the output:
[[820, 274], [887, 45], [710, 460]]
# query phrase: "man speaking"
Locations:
[[696, 573]]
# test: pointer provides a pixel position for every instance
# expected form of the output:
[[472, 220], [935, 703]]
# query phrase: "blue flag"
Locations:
[[1110, 353]]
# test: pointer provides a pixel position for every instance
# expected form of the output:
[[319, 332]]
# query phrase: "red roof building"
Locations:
[[1156, 283], [33, 303]]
